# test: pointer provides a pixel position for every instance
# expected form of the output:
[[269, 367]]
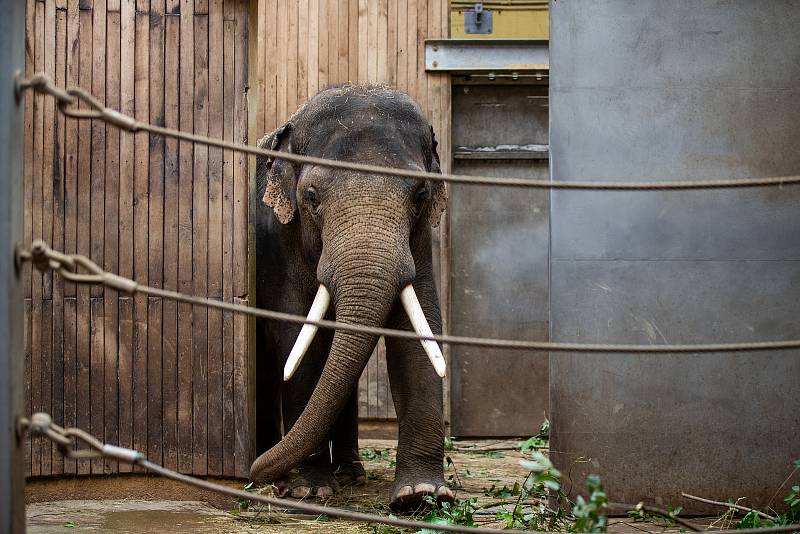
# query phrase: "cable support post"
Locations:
[[42, 83]]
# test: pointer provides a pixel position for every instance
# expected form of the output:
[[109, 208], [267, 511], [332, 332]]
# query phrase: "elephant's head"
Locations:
[[364, 235]]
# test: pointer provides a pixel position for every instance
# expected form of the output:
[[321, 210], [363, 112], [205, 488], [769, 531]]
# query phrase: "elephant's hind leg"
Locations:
[[313, 478], [346, 462]]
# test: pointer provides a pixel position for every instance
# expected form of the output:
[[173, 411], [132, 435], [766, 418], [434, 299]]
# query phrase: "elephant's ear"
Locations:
[[438, 187], [277, 177]]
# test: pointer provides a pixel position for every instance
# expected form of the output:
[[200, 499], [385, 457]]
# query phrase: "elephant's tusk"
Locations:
[[411, 304], [318, 308]]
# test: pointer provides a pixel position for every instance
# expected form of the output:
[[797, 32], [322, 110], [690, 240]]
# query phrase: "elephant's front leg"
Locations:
[[417, 394]]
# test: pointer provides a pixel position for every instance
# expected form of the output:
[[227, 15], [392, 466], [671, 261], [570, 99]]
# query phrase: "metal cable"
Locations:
[[67, 99], [67, 438], [46, 259]]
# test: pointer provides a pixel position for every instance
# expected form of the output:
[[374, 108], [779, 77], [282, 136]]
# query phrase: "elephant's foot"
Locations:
[[309, 481], [408, 493], [348, 468]]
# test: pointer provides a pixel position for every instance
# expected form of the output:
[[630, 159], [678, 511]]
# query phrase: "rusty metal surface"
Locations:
[[653, 90], [499, 254]]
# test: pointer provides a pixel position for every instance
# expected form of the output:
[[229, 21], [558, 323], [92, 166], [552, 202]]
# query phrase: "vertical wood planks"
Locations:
[[125, 305], [169, 317], [97, 213], [243, 412], [229, 98], [155, 230], [49, 183], [83, 235], [304, 20], [111, 237], [186, 155], [215, 259], [36, 230], [140, 221], [200, 246], [343, 34], [136, 371], [30, 43], [59, 206]]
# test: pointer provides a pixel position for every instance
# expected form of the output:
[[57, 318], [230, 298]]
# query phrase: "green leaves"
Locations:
[[750, 520], [793, 499], [532, 443], [369, 453], [754, 519], [539, 441], [244, 504], [502, 493], [590, 515], [542, 472], [461, 512]]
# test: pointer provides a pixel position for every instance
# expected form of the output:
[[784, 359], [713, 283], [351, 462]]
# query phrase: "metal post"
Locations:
[[12, 361]]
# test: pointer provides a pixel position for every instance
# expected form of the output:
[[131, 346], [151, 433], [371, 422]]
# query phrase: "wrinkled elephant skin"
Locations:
[[345, 245]]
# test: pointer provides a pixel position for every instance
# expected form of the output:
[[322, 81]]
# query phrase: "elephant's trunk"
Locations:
[[364, 281]]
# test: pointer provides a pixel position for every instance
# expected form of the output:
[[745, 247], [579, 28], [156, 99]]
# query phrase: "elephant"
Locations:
[[354, 247]]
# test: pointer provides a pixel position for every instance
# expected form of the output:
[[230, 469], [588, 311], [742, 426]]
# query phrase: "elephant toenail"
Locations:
[[324, 492], [424, 488], [445, 492], [405, 491], [300, 492]]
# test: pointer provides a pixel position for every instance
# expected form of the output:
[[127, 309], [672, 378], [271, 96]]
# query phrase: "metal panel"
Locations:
[[478, 20], [654, 90], [12, 356], [521, 20], [499, 263], [478, 55]]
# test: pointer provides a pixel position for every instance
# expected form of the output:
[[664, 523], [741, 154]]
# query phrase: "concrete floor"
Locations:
[[126, 516], [143, 504]]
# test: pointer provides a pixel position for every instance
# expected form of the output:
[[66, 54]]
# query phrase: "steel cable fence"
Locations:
[[71, 97], [69, 266], [68, 439], [46, 259]]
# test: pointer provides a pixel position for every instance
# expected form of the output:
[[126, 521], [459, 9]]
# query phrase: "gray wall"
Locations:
[[654, 90], [12, 360]]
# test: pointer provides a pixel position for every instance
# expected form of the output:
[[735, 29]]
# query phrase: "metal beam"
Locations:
[[12, 360], [466, 56]]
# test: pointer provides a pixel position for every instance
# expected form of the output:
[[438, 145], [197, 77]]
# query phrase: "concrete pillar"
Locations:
[[12, 355], [654, 90]]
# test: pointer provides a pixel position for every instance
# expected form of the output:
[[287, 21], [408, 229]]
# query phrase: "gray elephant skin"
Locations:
[[364, 238]]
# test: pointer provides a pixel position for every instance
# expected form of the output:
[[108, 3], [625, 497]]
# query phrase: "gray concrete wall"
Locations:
[[654, 90], [12, 312]]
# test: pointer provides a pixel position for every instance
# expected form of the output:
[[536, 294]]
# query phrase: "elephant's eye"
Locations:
[[420, 197], [312, 200]]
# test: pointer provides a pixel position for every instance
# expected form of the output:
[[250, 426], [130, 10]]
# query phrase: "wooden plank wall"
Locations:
[[306, 45], [169, 380]]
